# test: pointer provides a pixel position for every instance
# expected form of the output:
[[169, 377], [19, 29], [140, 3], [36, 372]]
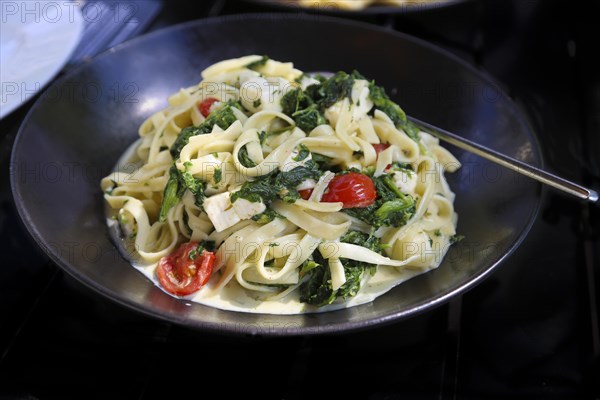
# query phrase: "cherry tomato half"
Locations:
[[206, 104], [352, 189], [305, 194], [379, 147], [184, 271]]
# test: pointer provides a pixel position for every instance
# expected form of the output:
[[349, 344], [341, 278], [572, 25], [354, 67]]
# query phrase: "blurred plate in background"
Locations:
[[353, 7], [36, 41]]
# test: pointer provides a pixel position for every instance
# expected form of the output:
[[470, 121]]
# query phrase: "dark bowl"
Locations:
[[77, 130]]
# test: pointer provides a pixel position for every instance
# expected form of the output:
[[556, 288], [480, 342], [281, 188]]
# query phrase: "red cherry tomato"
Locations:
[[305, 194], [352, 189], [379, 147], [206, 104], [185, 271]]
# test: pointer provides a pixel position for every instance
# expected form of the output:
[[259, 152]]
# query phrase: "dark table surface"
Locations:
[[528, 331]]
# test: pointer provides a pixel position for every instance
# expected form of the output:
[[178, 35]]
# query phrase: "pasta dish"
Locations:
[[266, 189]]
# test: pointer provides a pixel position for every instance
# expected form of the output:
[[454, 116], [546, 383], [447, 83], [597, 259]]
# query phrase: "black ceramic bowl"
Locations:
[[77, 130]]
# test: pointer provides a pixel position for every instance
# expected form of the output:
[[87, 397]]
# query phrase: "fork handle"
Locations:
[[511, 163]]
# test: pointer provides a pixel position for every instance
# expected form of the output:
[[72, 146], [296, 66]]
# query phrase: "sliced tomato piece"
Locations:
[[206, 105], [185, 271], [353, 189], [379, 147], [305, 194]]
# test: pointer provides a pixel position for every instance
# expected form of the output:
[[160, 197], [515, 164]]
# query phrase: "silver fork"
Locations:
[[518, 166]]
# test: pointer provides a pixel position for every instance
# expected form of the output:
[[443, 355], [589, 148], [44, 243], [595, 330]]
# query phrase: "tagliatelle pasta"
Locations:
[[264, 189]]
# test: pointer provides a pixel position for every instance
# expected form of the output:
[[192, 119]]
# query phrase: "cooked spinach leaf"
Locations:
[[258, 190], [334, 89], [277, 184], [309, 118], [218, 175], [392, 207], [303, 153], [258, 64], [317, 290], [302, 108], [176, 186], [245, 159], [295, 100], [196, 186], [324, 162], [266, 217], [172, 194], [383, 103]]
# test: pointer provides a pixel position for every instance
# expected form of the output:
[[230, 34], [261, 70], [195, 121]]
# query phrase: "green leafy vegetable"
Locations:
[[277, 184], [194, 185], [402, 167], [309, 118], [303, 153], [392, 207], [307, 266], [383, 103], [396, 212], [208, 245], [324, 162], [262, 136], [288, 181], [302, 108], [172, 194], [256, 65], [245, 159], [258, 190], [204, 245], [386, 188], [177, 184], [353, 269], [266, 217], [294, 101], [307, 107], [317, 290], [334, 89], [218, 175]]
